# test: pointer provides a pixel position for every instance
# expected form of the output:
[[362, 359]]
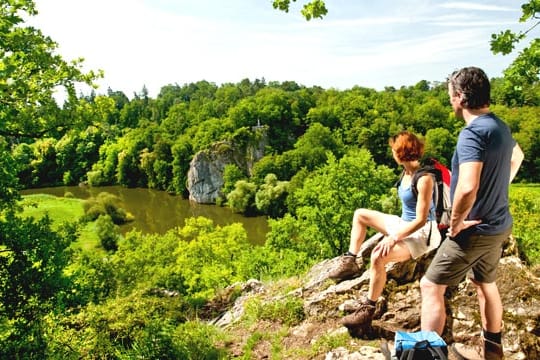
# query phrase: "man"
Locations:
[[485, 161]]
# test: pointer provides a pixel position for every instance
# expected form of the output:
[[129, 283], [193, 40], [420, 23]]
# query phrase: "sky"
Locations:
[[374, 43]]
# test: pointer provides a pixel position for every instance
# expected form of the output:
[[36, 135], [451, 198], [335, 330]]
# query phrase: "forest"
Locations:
[[326, 155]]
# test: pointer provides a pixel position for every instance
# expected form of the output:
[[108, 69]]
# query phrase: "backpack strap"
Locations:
[[436, 352], [427, 170], [436, 176]]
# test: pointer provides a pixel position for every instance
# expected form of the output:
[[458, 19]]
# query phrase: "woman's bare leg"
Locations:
[[361, 220]]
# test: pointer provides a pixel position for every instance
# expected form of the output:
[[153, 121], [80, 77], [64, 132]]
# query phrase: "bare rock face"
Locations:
[[205, 175]]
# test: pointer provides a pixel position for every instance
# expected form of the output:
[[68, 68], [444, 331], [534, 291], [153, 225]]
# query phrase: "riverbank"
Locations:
[[154, 211]]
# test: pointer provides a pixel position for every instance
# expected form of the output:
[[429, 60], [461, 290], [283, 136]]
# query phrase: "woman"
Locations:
[[405, 237]]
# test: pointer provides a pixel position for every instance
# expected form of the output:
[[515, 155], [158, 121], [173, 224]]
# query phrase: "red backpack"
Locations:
[[441, 175]]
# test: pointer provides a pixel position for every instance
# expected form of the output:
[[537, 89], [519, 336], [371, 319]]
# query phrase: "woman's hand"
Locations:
[[385, 245]]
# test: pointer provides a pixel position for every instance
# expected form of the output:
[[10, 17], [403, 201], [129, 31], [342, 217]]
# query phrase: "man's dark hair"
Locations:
[[473, 83]]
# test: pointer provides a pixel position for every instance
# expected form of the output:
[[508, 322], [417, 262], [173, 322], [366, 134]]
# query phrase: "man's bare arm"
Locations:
[[515, 163]]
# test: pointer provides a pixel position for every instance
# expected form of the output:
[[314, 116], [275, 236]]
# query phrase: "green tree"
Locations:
[[326, 202], [275, 108], [31, 72], [23, 154], [270, 197], [32, 279], [103, 172], [178, 119], [136, 110], [208, 132], [430, 114], [525, 69], [130, 171], [33, 257], [147, 261], [182, 153], [310, 151], [526, 130], [231, 174], [440, 143], [107, 232], [207, 256], [242, 198], [156, 164], [32, 283], [44, 168], [76, 152], [319, 136]]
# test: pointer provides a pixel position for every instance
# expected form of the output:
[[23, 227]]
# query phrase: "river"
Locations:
[[157, 211]]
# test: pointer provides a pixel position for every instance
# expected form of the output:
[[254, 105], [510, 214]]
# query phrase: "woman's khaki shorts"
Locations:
[[417, 241]]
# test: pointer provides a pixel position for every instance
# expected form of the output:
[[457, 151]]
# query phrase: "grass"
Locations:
[[62, 210], [288, 311], [327, 342], [59, 209], [534, 189]]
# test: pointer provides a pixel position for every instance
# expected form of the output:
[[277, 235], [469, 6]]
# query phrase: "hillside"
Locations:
[[298, 318]]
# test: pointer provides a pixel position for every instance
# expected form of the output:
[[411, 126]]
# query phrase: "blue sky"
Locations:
[[373, 44]]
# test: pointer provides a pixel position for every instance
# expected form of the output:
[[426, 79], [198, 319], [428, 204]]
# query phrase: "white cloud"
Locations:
[[376, 44], [473, 6]]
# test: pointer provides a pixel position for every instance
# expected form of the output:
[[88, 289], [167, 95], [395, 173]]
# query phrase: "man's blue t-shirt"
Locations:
[[487, 139]]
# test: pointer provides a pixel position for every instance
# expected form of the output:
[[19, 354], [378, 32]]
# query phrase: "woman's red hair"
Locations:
[[408, 147]]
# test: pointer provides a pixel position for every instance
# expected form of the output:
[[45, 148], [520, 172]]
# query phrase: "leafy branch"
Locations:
[[315, 9]]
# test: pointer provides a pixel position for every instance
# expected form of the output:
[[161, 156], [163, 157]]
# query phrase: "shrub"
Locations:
[[242, 198], [69, 195], [95, 178], [267, 262], [107, 232], [92, 210], [525, 209], [106, 204]]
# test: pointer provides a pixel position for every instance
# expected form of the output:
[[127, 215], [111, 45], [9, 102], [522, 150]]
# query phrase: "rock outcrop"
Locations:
[[205, 175], [325, 303]]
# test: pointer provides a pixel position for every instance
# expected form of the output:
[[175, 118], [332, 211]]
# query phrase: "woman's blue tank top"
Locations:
[[408, 204]]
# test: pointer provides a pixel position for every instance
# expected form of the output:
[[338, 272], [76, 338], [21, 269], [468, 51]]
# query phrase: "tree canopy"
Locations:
[[31, 73], [525, 69]]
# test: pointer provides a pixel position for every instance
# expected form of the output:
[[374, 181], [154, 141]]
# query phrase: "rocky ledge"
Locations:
[[325, 303]]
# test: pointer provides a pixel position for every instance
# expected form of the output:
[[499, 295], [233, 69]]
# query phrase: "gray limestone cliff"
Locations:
[[205, 175]]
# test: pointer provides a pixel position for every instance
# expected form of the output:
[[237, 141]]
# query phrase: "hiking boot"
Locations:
[[346, 268], [489, 350], [360, 318], [493, 350]]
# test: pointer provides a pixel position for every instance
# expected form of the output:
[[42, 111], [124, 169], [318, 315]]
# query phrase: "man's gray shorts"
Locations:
[[456, 256]]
